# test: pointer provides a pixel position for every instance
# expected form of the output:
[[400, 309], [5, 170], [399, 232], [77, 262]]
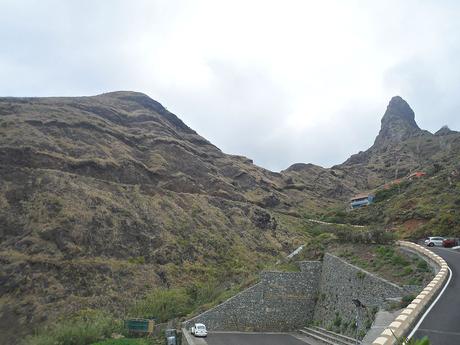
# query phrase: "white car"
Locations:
[[199, 330], [434, 241]]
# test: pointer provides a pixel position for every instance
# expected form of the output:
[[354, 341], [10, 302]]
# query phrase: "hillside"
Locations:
[[104, 198]]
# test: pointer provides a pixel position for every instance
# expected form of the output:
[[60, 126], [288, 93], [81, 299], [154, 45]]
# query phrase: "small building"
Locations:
[[416, 174], [361, 200]]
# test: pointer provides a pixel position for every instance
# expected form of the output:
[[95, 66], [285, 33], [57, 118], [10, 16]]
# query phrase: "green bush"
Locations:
[[407, 270], [412, 341], [375, 234], [360, 275], [385, 194], [422, 265], [86, 327], [406, 300], [399, 260], [163, 304], [337, 320]]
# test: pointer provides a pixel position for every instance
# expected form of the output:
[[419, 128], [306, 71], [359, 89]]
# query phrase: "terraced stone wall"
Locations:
[[280, 301], [340, 284], [321, 292]]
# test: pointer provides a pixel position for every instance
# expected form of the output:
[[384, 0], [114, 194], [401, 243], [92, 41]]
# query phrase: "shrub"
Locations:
[[385, 194], [337, 320], [406, 300], [360, 275], [399, 260], [412, 341], [422, 265], [87, 327], [407, 270], [375, 234], [163, 304]]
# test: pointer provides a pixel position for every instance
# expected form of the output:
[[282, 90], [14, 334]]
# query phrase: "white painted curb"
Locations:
[[405, 320]]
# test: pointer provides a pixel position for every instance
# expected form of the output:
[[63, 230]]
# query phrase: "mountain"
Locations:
[[414, 208], [400, 148], [103, 198]]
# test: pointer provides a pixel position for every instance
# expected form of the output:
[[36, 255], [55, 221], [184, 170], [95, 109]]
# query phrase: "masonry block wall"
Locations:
[[280, 301], [321, 292], [342, 282]]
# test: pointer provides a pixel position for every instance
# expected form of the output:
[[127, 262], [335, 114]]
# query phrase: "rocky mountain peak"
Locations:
[[445, 130], [398, 123]]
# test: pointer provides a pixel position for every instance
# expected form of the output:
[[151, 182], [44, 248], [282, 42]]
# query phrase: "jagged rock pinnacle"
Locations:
[[398, 123]]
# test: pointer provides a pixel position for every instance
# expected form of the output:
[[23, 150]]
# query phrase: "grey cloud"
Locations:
[[246, 102]]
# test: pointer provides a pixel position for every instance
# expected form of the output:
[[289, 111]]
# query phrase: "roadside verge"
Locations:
[[409, 316]]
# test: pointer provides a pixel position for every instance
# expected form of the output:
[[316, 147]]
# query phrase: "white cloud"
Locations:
[[278, 81]]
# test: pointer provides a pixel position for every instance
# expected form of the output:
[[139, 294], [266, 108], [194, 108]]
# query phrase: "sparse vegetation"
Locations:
[[406, 300], [87, 327], [387, 261], [414, 209]]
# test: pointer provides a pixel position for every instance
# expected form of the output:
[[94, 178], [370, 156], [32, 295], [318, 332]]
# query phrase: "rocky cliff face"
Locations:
[[399, 148], [398, 124]]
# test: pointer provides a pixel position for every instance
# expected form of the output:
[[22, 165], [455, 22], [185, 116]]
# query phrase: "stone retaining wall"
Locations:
[[280, 301], [290, 300], [342, 282], [322, 291]]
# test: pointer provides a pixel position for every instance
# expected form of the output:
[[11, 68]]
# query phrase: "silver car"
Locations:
[[434, 241]]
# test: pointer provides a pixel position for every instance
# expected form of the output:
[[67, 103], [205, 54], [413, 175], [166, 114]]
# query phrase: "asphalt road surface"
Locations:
[[442, 324], [252, 339]]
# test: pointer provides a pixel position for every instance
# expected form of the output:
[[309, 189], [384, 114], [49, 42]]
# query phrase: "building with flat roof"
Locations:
[[361, 200]]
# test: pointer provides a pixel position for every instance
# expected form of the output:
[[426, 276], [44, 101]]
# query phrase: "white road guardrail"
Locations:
[[408, 317]]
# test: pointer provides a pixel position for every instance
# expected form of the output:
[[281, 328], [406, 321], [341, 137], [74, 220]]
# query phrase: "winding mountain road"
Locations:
[[442, 323]]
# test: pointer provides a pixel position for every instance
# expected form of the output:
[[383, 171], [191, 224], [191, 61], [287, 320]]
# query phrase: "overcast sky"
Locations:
[[277, 81]]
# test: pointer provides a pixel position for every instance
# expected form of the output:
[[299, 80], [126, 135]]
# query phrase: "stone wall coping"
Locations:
[[405, 320]]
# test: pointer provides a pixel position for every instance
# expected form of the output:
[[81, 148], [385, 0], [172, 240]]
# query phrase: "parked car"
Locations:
[[434, 241], [199, 330], [450, 242]]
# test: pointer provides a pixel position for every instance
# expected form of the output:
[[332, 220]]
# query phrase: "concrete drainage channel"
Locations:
[[407, 319]]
